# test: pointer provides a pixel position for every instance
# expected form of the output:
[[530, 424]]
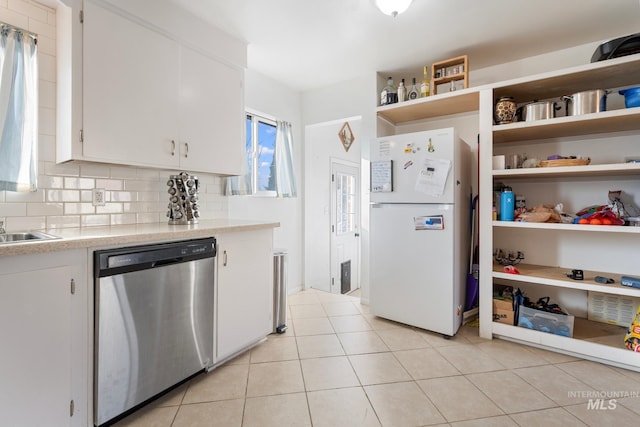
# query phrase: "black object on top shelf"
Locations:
[[616, 48]]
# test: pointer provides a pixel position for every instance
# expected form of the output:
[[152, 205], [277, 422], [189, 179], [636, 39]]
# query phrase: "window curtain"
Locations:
[[18, 109], [285, 179]]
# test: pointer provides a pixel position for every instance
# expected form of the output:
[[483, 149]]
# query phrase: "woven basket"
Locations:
[[564, 162]]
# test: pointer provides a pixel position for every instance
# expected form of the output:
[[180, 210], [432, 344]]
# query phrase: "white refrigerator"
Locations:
[[420, 227]]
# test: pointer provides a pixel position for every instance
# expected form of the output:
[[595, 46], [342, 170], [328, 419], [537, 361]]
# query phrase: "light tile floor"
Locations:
[[338, 365]]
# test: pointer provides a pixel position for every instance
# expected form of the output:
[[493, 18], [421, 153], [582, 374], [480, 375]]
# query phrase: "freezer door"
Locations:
[[413, 278], [422, 168]]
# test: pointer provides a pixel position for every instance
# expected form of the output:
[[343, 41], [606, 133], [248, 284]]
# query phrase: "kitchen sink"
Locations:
[[28, 236]]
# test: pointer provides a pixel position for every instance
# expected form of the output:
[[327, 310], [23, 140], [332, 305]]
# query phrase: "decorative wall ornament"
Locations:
[[346, 136]]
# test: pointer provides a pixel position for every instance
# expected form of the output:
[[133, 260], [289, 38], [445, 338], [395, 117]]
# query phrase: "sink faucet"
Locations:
[[2, 230]]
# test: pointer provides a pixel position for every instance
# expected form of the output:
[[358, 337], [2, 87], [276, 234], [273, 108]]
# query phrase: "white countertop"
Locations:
[[88, 237]]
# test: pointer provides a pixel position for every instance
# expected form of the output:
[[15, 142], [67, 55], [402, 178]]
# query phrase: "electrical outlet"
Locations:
[[98, 197]]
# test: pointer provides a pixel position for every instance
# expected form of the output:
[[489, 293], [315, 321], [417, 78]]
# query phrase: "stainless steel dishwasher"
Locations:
[[153, 321]]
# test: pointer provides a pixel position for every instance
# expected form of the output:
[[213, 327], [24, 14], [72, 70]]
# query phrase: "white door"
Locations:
[[345, 226]]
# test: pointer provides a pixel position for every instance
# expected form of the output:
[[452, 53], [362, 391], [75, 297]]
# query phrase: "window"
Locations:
[[269, 160], [261, 147], [345, 203]]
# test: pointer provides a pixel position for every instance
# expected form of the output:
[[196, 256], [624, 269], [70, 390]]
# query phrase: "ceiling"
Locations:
[[307, 44]]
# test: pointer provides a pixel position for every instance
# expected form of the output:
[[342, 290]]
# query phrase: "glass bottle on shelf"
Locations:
[[402, 91], [425, 85], [389, 95], [414, 93]]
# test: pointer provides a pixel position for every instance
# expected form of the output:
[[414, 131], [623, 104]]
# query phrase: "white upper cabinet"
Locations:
[[130, 91], [211, 115], [149, 98]]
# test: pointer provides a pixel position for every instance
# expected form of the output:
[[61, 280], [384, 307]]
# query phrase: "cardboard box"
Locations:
[[544, 321], [503, 311], [612, 309]]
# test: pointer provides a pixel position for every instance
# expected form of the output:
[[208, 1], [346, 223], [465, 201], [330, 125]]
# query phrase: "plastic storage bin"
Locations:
[[544, 321]]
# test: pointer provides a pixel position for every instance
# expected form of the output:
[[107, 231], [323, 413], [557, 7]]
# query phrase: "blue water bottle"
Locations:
[[507, 204]]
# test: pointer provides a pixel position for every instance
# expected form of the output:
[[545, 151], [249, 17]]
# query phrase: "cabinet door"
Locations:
[[211, 115], [244, 290], [130, 91], [35, 362]]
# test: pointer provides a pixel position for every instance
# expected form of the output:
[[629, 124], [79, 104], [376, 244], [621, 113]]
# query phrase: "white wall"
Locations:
[[322, 145], [266, 96], [349, 99]]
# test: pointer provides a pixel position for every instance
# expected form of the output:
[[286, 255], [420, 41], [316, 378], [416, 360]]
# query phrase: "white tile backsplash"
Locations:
[[63, 169], [133, 195], [47, 93], [47, 121], [39, 209], [25, 223], [31, 197], [79, 208], [13, 209], [95, 220], [63, 221], [14, 18], [47, 67], [62, 195], [110, 184], [95, 170], [29, 9], [79, 183]]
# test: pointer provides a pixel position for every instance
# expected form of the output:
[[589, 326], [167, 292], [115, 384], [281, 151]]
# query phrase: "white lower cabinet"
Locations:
[[43, 330], [244, 297]]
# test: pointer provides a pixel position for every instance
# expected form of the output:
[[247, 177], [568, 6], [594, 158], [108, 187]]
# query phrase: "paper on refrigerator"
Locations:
[[432, 177]]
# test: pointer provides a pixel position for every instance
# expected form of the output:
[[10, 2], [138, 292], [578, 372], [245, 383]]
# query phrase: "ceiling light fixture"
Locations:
[[393, 7]]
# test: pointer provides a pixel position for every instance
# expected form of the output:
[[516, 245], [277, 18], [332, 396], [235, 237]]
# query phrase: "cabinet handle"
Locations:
[[224, 258], [173, 147], [186, 150]]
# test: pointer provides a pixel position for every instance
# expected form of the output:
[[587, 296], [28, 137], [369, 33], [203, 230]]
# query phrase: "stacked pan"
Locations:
[[183, 199]]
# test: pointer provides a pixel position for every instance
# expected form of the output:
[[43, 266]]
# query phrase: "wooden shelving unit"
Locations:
[[591, 340], [450, 70]]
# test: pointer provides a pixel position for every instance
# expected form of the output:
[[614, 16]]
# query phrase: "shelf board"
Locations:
[[555, 276], [447, 79], [585, 124], [591, 340], [460, 101], [568, 227], [614, 169], [618, 72]]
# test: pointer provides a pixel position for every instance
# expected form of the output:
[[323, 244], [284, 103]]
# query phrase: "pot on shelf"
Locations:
[[589, 101], [538, 110]]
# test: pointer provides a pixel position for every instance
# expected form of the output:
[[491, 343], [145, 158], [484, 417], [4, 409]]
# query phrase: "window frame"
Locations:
[[253, 156]]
